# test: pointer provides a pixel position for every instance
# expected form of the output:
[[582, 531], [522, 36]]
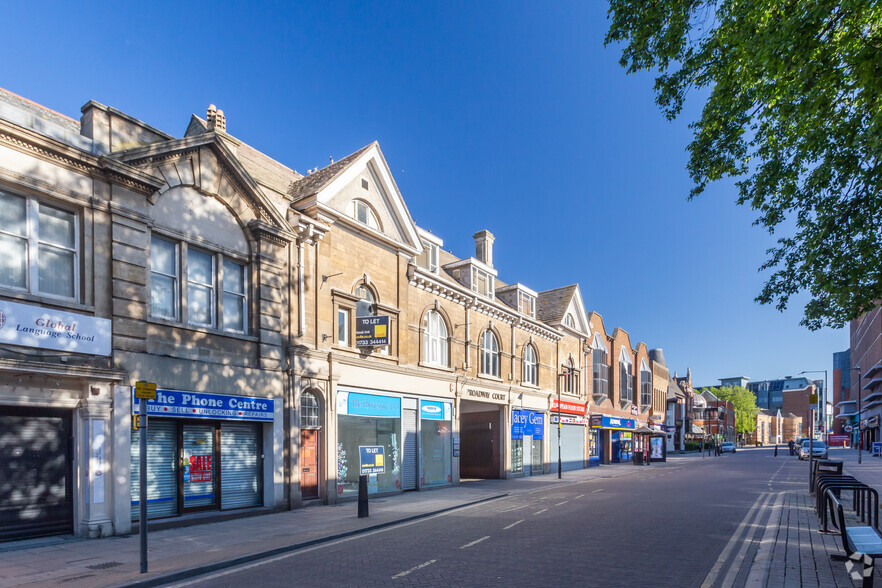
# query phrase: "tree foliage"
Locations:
[[744, 403], [793, 112]]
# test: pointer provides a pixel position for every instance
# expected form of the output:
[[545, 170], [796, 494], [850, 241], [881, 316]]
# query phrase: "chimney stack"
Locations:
[[216, 119], [484, 247]]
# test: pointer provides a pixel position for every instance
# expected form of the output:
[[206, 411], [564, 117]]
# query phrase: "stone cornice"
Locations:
[[60, 370]]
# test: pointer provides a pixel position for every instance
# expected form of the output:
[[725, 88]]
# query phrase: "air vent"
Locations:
[[364, 184]]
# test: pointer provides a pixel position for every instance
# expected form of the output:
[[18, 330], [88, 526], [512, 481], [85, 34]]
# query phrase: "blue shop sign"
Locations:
[[372, 405], [608, 422], [434, 411], [527, 422], [197, 405]]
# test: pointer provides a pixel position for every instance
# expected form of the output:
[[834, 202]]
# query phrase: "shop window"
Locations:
[[435, 346], [309, 411], [40, 245], [531, 371], [436, 451], [489, 354], [207, 304]]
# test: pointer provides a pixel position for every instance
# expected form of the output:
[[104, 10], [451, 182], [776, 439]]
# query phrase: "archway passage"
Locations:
[[480, 431]]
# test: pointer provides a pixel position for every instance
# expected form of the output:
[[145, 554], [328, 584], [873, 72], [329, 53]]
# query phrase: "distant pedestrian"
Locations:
[[790, 444]]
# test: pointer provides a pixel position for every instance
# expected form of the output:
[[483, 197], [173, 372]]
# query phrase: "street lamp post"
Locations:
[[560, 381], [860, 432]]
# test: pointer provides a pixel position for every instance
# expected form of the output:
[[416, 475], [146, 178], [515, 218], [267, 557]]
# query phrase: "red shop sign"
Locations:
[[569, 407]]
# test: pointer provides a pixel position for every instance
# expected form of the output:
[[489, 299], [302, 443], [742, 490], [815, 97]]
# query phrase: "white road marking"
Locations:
[[579, 496], [514, 508], [540, 512], [475, 542], [736, 536], [512, 525], [762, 561], [560, 503], [596, 491], [419, 567]]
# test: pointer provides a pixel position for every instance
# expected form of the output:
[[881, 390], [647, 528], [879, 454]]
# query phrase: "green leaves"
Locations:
[[794, 113], [744, 403]]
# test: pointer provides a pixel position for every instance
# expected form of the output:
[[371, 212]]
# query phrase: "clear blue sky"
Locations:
[[507, 116]]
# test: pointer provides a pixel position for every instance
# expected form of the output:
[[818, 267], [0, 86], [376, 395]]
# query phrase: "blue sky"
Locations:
[[507, 116]]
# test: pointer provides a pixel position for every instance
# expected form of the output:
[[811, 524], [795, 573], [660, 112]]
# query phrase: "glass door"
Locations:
[[199, 466]]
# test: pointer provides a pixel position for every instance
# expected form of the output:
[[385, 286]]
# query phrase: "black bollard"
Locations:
[[776, 450], [362, 497]]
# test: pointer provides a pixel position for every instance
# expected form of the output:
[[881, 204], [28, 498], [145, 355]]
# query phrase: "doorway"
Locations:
[[309, 463]]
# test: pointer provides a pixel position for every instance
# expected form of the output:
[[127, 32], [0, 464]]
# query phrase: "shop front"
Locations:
[[615, 437], [55, 423], [567, 435], [481, 414], [527, 436], [416, 435], [204, 452]]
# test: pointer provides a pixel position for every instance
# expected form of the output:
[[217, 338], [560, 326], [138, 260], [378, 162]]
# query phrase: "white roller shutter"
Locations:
[[240, 465]]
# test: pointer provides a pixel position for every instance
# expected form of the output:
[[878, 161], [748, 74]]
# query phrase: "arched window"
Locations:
[[531, 373], [309, 411], [569, 321], [363, 213], [626, 378], [489, 354], [570, 377], [366, 306], [645, 385], [435, 339]]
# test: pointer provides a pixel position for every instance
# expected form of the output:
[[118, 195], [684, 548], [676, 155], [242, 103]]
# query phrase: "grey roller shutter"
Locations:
[[410, 456], [572, 441], [162, 470], [240, 465], [35, 479]]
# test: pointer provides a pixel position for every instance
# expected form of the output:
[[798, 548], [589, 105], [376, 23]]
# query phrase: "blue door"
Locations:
[[616, 443]]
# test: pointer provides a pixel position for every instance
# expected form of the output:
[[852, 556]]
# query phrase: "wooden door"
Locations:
[[309, 463]]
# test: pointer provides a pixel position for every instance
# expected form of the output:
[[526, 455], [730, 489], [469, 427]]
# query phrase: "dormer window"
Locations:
[[363, 213], [482, 282], [526, 304], [428, 259]]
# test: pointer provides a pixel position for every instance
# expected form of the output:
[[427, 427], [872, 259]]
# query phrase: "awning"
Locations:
[[696, 430]]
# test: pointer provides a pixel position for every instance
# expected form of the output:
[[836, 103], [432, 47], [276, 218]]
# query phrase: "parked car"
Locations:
[[727, 447], [818, 449]]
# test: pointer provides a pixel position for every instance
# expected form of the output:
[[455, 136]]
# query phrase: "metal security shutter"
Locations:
[[572, 440], [240, 465], [162, 470], [410, 455], [35, 477], [528, 456]]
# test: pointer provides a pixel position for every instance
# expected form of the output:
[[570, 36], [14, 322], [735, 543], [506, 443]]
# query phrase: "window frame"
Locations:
[[646, 396], [33, 242], [600, 359], [182, 284], [530, 366], [626, 379], [305, 412], [570, 379], [489, 354], [436, 343], [370, 214], [343, 313], [488, 282], [529, 301]]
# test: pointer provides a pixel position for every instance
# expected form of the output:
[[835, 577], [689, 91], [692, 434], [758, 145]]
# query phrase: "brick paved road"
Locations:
[[679, 526]]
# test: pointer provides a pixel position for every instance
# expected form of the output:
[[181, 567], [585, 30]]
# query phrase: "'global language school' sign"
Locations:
[[43, 328], [174, 403]]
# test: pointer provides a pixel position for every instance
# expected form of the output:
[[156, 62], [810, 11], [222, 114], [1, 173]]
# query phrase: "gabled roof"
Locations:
[[316, 181], [674, 391], [319, 189], [552, 306], [211, 140]]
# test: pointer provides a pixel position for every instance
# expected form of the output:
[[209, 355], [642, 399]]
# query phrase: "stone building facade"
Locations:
[[286, 320]]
